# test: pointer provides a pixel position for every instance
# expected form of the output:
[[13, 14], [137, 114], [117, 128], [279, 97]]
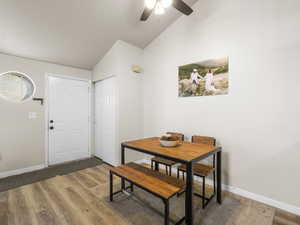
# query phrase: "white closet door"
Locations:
[[105, 116], [68, 119]]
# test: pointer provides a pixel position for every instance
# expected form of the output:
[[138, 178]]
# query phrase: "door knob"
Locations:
[[51, 128], [51, 121]]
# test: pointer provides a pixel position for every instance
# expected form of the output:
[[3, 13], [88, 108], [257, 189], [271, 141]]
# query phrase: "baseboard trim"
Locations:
[[21, 171], [140, 161], [238, 191], [260, 198], [108, 164]]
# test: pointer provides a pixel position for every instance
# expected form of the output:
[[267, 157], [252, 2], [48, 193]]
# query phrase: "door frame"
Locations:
[[117, 142], [46, 105]]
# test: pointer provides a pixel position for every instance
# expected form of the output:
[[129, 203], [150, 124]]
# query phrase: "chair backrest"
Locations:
[[181, 136], [204, 140]]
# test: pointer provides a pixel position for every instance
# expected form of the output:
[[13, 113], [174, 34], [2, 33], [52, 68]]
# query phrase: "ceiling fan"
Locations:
[[159, 6]]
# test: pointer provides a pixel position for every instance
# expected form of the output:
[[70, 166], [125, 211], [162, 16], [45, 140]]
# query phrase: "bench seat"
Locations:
[[155, 182], [158, 184]]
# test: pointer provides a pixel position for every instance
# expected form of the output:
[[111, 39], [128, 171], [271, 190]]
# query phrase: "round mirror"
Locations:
[[16, 86]]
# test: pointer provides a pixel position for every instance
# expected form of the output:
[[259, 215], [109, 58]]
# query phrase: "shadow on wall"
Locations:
[[225, 164]]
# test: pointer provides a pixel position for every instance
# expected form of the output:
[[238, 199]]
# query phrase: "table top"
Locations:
[[185, 152]]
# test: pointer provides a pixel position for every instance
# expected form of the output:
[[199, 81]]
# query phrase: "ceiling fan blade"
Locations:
[[147, 12], [182, 7]]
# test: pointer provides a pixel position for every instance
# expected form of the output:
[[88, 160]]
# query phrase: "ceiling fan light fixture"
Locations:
[[150, 4], [166, 3], [159, 9]]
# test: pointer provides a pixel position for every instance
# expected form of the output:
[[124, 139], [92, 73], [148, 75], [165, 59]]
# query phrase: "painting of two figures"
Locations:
[[209, 77]]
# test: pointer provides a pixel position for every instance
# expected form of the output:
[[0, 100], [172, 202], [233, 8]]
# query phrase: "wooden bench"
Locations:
[[154, 182]]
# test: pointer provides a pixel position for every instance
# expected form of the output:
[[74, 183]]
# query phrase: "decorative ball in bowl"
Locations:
[[169, 141]]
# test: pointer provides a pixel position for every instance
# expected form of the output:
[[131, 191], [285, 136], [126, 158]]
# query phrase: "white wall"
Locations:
[[22, 140], [118, 62], [258, 122]]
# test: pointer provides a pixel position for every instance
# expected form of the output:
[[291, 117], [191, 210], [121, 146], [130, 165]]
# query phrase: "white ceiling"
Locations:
[[75, 32]]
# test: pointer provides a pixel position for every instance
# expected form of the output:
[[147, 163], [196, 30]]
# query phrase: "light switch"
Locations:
[[32, 115]]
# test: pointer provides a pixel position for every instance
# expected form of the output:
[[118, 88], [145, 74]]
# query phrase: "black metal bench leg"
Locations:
[[170, 170], [167, 211], [177, 173], [166, 169], [156, 166], [131, 187], [203, 193], [151, 164], [111, 186]]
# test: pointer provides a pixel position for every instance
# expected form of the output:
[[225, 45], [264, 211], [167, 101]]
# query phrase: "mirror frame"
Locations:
[[26, 76]]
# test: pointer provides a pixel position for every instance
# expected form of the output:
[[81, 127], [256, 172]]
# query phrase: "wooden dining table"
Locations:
[[186, 153]]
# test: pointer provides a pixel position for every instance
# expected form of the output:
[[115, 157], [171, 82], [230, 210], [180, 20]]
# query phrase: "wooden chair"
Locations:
[[202, 170], [156, 161]]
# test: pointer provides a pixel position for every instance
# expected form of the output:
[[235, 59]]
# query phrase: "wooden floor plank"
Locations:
[[74, 183], [285, 218], [89, 214], [104, 173], [85, 180], [22, 213], [104, 169], [11, 210], [97, 176], [110, 216], [61, 204], [4, 208], [283, 221], [249, 215], [41, 204], [94, 199]]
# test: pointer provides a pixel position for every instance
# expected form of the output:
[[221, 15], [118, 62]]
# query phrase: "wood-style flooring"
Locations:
[[79, 198]]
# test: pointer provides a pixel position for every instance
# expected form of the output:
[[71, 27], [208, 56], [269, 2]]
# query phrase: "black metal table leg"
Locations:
[[219, 177], [111, 186], [123, 162], [189, 219], [167, 212], [156, 166]]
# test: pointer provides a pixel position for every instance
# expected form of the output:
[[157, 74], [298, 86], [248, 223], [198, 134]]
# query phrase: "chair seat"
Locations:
[[163, 161], [199, 169]]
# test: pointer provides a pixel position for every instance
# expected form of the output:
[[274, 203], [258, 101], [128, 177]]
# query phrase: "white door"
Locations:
[[105, 115], [68, 119]]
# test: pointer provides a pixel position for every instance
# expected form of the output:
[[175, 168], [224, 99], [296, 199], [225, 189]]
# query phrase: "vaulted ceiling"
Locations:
[[75, 32]]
